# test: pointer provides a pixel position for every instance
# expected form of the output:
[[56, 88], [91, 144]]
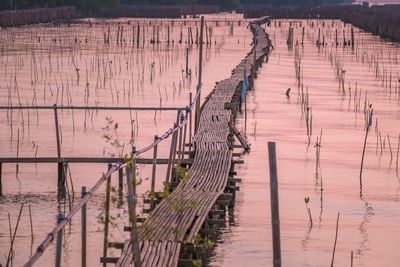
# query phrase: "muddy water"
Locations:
[[368, 223], [44, 65]]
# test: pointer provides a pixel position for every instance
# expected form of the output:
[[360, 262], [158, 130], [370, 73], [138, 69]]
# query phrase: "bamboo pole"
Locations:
[[107, 216], [83, 236], [197, 116], [153, 175], [120, 183], [131, 185]]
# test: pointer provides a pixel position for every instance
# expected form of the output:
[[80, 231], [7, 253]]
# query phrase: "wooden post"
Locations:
[[138, 35], [83, 238], [153, 175], [184, 139], [120, 183], [336, 39], [190, 123], [1, 185], [187, 61], [253, 76], [168, 34], [107, 216], [276, 239], [57, 131], [60, 176], [180, 139], [131, 184], [197, 114], [118, 36], [302, 37], [352, 38], [171, 151], [59, 242]]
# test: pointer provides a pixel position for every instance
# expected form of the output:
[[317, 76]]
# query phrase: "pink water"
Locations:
[[367, 226]]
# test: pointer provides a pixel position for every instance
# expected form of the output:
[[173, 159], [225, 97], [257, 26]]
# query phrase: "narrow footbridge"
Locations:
[[199, 200]]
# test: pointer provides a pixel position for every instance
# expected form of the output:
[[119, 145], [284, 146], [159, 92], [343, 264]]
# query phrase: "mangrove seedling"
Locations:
[[306, 200]]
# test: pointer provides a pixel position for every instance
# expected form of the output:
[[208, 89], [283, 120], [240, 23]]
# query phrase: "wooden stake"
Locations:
[[276, 239]]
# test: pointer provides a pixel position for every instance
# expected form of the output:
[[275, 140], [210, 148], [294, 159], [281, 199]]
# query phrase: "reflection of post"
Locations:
[[276, 239], [197, 116], [83, 219]]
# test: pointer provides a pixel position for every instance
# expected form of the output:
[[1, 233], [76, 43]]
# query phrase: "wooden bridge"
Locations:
[[199, 201]]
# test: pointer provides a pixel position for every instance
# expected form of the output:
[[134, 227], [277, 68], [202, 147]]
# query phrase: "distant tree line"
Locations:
[[95, 4]]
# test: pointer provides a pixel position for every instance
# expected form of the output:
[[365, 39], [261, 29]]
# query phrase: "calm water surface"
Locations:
[[368, 224], [122, 75]]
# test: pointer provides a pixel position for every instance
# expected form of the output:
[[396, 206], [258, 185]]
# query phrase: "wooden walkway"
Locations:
[[178, 218]]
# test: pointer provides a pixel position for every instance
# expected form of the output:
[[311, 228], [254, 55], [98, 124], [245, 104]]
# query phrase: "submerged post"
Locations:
[[197, 116], [276, 239], [83, 238]]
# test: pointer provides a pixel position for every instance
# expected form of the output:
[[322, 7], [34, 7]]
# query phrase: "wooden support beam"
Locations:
[[108, 260], [117, 245], [242, 141], [220, 222]]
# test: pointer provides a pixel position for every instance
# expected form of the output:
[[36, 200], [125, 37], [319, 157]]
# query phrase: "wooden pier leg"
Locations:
[[276, 239], [197, 114], [170, 162], [120, 183], [180, 140], [59, 242], [184, 139], [173, 178], [83, 237], [153, 175], [106, 216]]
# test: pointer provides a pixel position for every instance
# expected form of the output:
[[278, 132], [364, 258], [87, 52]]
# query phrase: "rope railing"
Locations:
[[50, 236], [92, 108]]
